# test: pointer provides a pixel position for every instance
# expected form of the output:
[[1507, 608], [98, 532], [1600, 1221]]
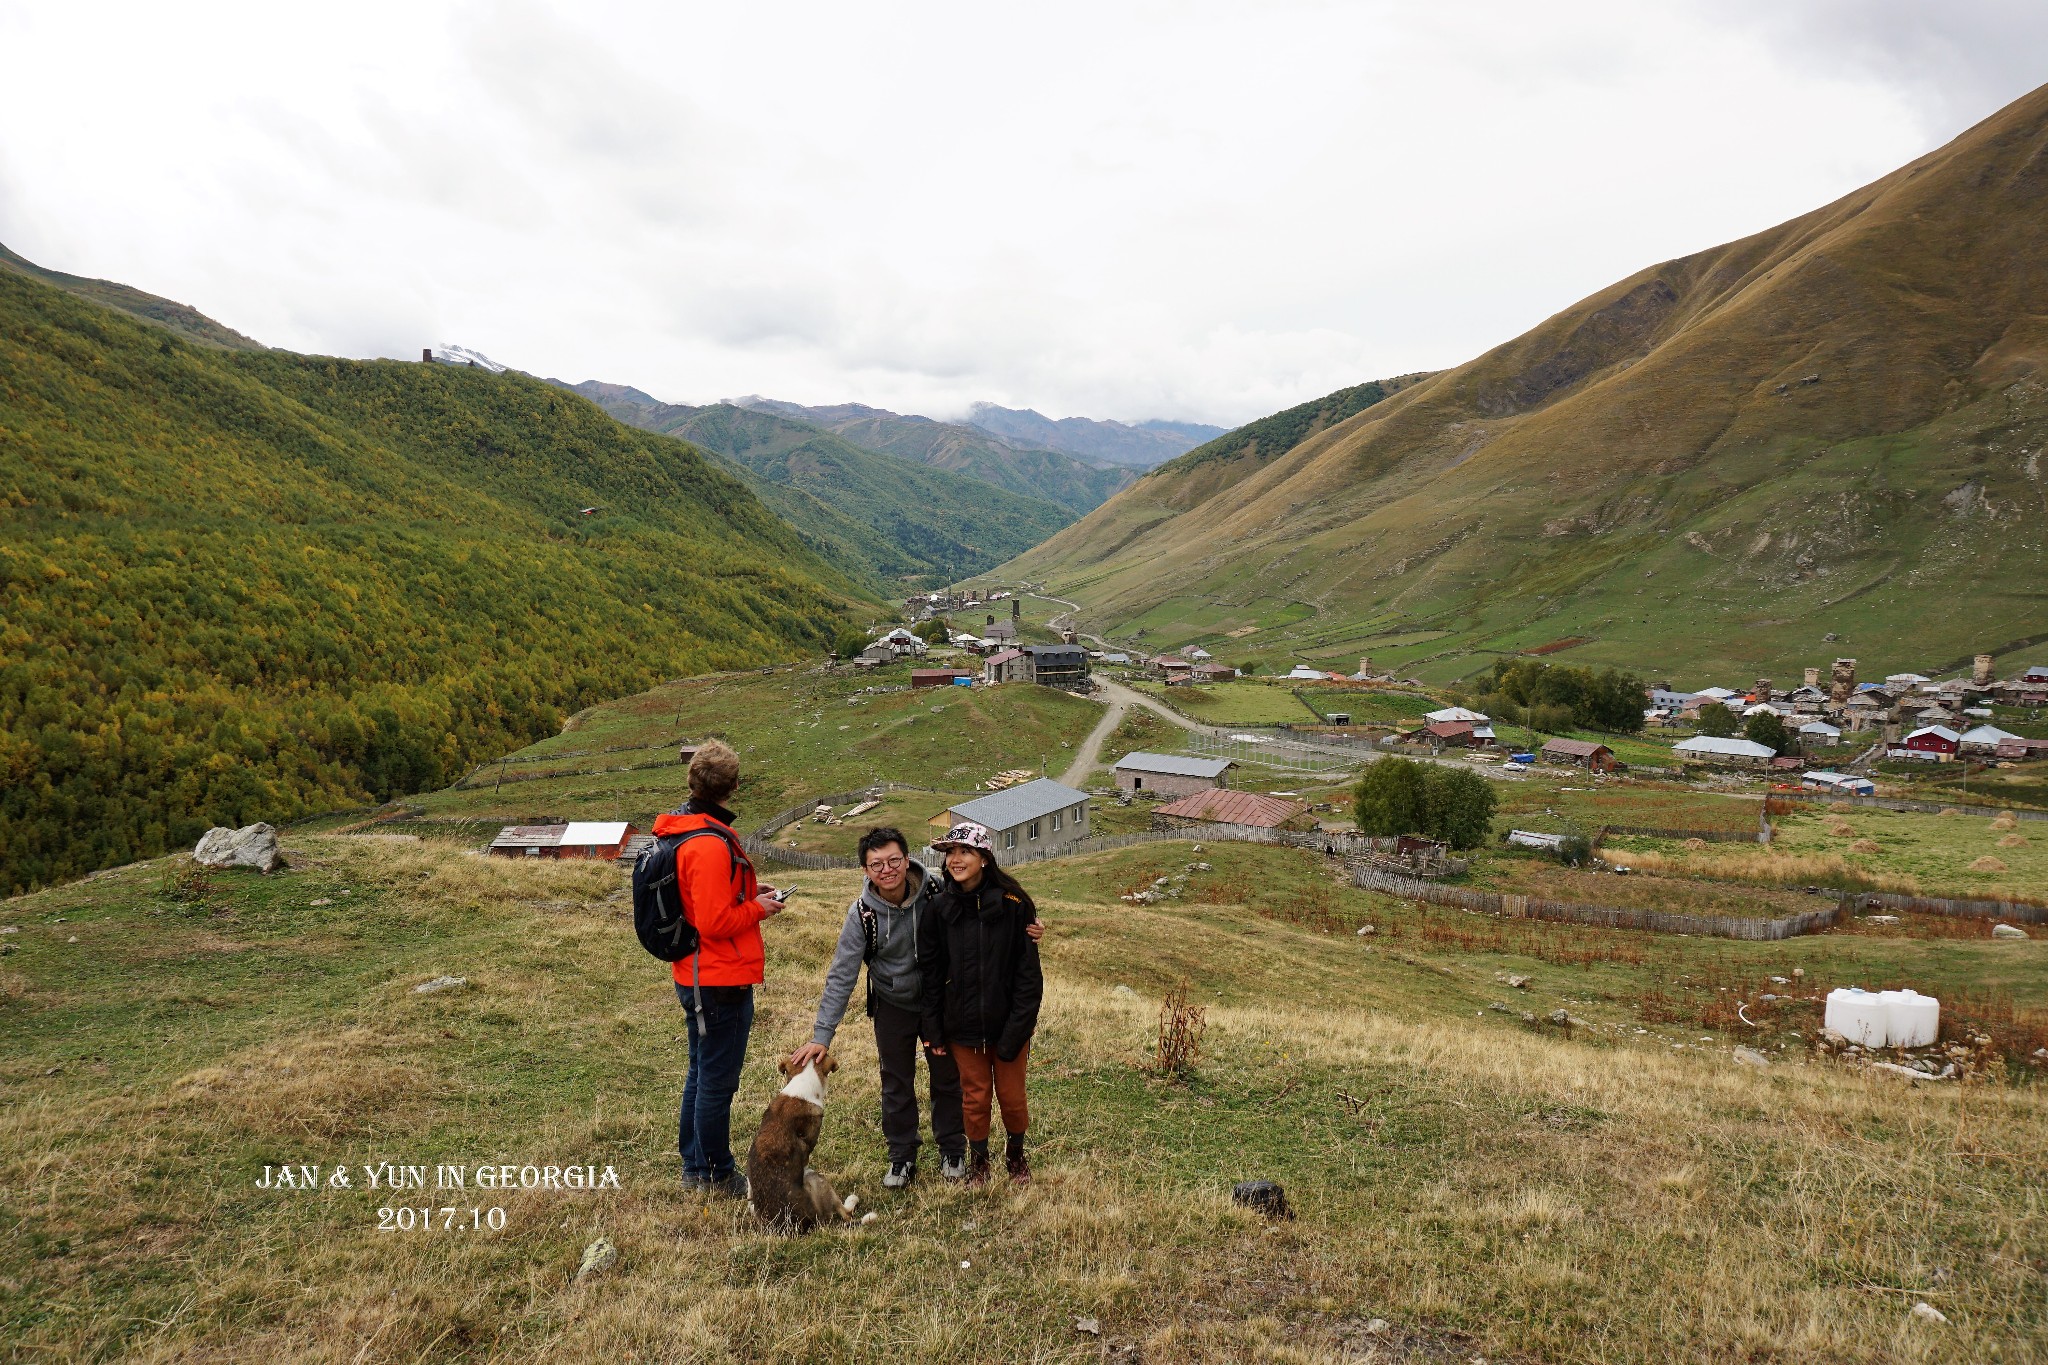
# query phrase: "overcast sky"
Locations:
[[1202, 211]]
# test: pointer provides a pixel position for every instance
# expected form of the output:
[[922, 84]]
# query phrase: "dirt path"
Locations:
[[1090, 752]]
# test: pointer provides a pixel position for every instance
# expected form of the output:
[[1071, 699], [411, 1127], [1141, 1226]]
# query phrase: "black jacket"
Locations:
[[980, 978]]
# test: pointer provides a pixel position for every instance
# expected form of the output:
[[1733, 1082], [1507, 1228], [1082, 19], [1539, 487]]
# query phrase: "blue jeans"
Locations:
[[717, 1050]]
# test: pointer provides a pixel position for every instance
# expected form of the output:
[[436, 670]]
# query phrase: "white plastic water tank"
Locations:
[[1914, 1019], [1858, 1015]]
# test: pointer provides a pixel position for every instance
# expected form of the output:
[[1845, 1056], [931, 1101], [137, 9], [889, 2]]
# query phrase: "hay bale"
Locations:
[[2006, 820], [1695, 845], [1840, 830], [2013, 841], [1864, 846], [1950, 810], [1840, 806], [1987, 863]]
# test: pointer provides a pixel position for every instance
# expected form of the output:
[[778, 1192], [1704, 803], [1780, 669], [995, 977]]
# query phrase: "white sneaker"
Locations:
[[954, 1167], [901, 1173]]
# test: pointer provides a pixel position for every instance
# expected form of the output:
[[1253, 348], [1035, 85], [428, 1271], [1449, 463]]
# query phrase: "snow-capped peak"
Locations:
[[449, 353]]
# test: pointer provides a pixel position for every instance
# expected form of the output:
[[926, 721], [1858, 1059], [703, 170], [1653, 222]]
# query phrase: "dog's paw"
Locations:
[[851, 1203], [868, 1218]]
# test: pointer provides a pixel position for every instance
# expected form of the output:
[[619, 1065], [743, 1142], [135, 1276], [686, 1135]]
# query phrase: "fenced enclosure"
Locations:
[[1286, 755], [1607, 916]]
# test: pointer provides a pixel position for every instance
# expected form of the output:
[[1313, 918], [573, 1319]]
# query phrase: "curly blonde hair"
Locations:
[[714, 772]]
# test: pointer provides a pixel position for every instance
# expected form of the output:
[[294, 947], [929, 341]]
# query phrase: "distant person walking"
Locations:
[[715, 984], [981, 988]]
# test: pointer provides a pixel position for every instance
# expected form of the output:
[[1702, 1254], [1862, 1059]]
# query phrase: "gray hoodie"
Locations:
[[892, 976]]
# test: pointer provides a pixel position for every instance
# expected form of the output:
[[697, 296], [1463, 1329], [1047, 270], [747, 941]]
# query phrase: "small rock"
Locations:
[[250, 846], [597, 1257], [441, 983], [967, 1265], [1378, 1327], [2006, 931], [5, 949], [1264, 1195], [1088, 1327], [1749, 1056], [1125, 992], [11, 929], [1527, 1017], [1520, 983], [1927, 1312], [1834, 1038], [1780, 981], [2040, 1054], [72, 939], [324, 900], [868, 1218], [1884, 919], [1798, 973], [1365, 929], [1499, 1007], [1560, 1017]]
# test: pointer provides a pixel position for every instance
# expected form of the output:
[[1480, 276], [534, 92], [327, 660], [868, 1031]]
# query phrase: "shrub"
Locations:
[[1181, 1024], [1717, 720], [1765, 727], [184, 880], [1575, 851]]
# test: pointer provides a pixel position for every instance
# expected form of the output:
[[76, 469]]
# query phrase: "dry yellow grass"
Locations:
[[1762, 865], [1498, 1191]]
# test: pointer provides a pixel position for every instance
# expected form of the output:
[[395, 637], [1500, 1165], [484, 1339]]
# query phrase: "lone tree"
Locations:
[[1716, 720], [1402, 796], [1766, 728]]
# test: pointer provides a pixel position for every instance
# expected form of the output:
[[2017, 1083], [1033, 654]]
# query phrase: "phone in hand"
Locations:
[[782, 893]]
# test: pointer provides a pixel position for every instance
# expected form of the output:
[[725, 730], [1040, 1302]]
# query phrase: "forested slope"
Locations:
[[244, 585], [879, 517]]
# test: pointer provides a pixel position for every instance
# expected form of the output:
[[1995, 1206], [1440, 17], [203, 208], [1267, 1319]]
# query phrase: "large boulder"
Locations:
[[251, 846]]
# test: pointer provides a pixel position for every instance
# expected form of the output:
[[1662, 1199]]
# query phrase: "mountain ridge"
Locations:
[[1779, 434], [1137, 444]]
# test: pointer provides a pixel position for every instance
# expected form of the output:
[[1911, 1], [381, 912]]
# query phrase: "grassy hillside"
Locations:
[[800, 733], [1075, 484], [1824, 439], [186, 321], [241, 585], [1620, 1190], [876, 516]]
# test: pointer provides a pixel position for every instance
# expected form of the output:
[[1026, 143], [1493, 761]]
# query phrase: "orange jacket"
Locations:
[[720, 901]]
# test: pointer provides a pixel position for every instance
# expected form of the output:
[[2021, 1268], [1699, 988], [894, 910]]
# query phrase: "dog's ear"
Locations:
[[782, 1065], [829, 1065]]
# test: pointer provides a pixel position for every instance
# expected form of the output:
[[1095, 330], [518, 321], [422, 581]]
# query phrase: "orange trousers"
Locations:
[[982, 1075]]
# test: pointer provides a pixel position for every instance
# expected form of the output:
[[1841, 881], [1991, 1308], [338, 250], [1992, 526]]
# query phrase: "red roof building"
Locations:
[[1221, 806]]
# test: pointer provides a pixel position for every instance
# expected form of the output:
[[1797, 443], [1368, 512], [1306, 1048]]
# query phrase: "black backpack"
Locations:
[[658, 916]]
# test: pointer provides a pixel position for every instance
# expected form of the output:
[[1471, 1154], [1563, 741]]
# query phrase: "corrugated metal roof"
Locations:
[[594, 833], [1227, 807], [529, 836], [1575, 748], [1018, 805], [1004, 656], [1176, 765], [1733, 748], [1940, 731]]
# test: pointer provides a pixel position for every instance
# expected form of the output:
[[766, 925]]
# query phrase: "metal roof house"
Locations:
[[1170, 774], [1028, 818], [1221, 806], [577, 839], [1734, 753], [1059, 666]]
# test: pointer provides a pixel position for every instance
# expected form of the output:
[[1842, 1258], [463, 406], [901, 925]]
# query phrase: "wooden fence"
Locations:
[[1607, 916], [2020, 912], [1914, 807]]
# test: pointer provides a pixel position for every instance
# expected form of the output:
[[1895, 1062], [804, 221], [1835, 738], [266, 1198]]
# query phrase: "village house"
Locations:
[[1213, 673], [1842, 784], [1171, 774], [2030, 688], [999, 631], [1865, 711], [1006, 665], [1819, 732], [1580, 753], [1933, 743], [1459, 734], [1064, 666], [1027, 818], [1725, 753], [939, 677], [595, 839], [1221, 806], [2020, 749], [1984, 739]]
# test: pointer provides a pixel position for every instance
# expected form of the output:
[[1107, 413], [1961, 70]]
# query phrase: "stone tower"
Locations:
[[1813, 677], [1842, 680], [1980, 672]]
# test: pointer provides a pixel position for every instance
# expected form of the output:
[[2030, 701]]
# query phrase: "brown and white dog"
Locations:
[[786, 1193]]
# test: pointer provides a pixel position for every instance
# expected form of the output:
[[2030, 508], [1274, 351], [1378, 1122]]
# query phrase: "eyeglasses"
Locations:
[[887, 864]]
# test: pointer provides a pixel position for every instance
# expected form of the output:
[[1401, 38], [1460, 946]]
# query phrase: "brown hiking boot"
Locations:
[[1020, 1169], [977, 1172]]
